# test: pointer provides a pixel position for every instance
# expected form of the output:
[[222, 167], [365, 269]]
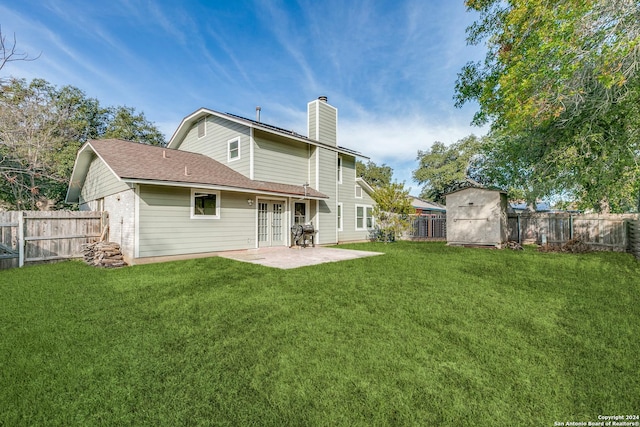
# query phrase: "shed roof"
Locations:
[[142, 163]]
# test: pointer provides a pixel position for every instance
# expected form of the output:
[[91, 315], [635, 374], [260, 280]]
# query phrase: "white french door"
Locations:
[[271, 223]]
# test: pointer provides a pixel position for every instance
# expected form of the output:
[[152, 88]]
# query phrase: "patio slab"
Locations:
[[286, 258]]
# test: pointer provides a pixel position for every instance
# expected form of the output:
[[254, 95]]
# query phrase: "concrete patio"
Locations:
[[286, 258]]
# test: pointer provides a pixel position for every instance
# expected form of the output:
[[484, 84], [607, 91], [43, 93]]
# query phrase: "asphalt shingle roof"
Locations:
[[134, 161]]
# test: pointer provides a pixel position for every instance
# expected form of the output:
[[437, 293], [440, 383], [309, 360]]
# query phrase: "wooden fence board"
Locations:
[[633, 228], [42, 236], [600, 231], [8, 240]]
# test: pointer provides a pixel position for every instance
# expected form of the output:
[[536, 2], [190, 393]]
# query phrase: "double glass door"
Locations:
[[270, 223]]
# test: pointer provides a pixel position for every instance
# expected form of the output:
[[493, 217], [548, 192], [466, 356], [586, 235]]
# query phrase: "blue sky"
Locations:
[[389, 66]]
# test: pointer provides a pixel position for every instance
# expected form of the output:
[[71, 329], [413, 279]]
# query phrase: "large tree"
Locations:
[[9, 51], [560, 85], [442, 167], [375, 175], [41, 129]]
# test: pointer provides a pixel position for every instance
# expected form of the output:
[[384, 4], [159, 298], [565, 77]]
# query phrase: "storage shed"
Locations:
[[477, 217]]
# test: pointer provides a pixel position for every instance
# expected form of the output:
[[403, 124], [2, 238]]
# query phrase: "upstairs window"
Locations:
[[233, 149], [339, 170], [202, 128], [358, 192]]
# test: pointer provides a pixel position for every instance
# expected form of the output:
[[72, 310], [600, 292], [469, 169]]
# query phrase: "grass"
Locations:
[[424, 335]]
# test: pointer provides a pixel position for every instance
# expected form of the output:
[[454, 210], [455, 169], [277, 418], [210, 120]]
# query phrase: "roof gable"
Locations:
[[134, 162], [187, 123]]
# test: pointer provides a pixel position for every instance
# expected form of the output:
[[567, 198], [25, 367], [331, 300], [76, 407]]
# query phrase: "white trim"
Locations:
[[192, 203], [306, 210], [317, 120], [136, 214], [251, 153], [229, 142], [365, 185], [285, 230], [364, 218], [317, 223], [214, 187], [340, 215], [317, 169]]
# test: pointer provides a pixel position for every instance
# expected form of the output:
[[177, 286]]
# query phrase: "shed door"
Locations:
[[270, 223]]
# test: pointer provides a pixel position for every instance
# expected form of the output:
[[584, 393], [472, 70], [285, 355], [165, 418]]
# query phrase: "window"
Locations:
[[358, 192], [339, 216], [339, 170], [364, 217], [233, 151], [205, 204], [300, 213], [202, 129]]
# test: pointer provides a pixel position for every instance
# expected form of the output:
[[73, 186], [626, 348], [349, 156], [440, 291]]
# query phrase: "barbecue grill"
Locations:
[[303, 233]]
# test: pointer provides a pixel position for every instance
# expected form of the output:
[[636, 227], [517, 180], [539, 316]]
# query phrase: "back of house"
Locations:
[[225, 182]]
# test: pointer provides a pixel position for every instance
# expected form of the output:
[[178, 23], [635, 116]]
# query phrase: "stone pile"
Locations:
[[104, 254]]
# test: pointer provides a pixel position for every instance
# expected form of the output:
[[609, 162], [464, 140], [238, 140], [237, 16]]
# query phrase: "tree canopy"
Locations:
[[373, 174], [41, 129], [560, 85], [392, 210], [442, 167]]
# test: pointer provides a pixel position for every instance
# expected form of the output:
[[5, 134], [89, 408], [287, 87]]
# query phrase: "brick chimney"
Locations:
[[322, 121]]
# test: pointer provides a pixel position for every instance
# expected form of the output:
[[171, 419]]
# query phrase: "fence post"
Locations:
[[20, 238]]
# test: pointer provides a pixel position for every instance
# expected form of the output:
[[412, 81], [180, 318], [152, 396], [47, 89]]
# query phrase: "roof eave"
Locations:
[[219, 187]]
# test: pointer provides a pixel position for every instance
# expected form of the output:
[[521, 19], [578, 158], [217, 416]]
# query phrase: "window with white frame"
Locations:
[[233, 149], [358, 192], [340, 216], [202, 127], [205, 204], [339, 170], [364, 217], [300, 213]]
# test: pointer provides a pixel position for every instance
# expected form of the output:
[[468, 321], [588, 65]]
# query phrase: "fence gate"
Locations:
[[33, 236]]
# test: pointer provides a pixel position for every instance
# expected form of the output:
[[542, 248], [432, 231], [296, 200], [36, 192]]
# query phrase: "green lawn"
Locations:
[[424, 335]]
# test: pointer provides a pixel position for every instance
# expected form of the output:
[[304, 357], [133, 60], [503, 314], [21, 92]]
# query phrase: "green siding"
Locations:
[[166, 227], [327, 216], [323, 122], [280, 160], [328, 124], [100, 182], [311, 123], [346, 195], [214, 144]]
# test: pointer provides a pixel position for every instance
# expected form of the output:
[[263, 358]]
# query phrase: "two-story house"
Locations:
[[225, 182]]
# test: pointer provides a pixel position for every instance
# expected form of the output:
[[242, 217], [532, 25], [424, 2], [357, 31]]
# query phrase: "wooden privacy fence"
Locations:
[[633, 228], [600, 231], [33, 236], [428, 227]]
